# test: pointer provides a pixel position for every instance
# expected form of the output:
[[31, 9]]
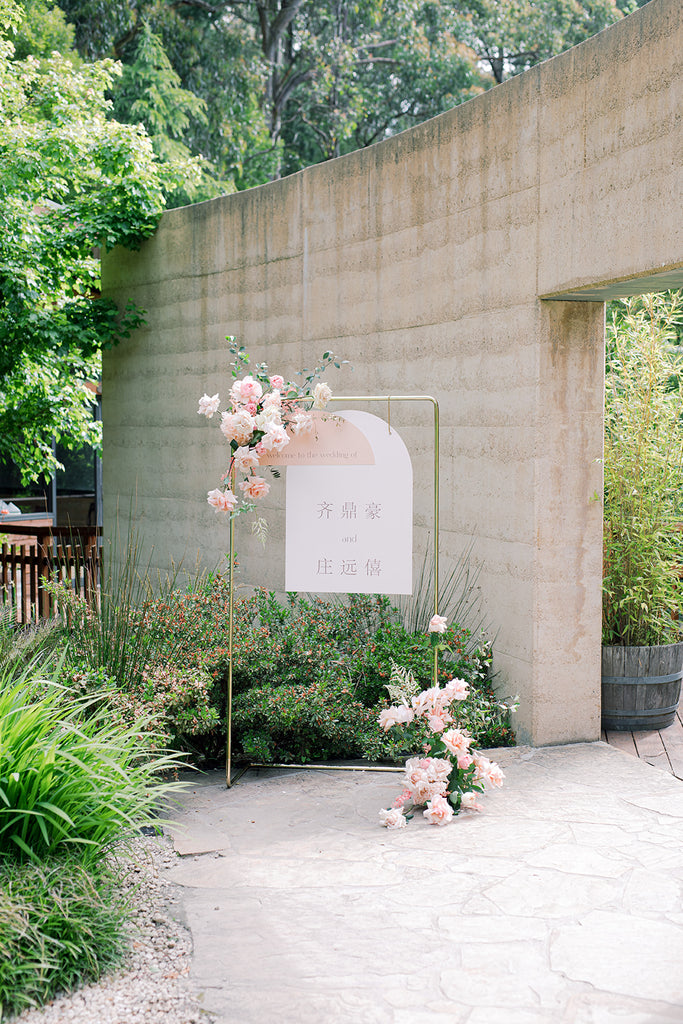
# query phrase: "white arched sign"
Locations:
[[349, 511]]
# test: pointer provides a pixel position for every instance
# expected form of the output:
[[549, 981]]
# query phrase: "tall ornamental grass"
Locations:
[[69, 778], [643, 503], [109, 632]]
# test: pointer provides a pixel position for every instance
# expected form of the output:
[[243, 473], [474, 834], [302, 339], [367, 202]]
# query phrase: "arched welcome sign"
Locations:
[[349, 510], [349, 513]]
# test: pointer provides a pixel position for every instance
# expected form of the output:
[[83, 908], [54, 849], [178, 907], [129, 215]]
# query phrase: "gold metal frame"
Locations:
[[231, 557]]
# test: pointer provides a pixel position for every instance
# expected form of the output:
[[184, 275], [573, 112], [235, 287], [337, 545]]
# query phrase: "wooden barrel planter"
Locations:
[[641, 686]]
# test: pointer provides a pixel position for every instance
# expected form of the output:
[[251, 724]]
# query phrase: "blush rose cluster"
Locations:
[[453, 773], [264, 412]]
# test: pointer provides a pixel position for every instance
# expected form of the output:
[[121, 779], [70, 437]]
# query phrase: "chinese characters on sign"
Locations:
[[349, 526], [349, 566]]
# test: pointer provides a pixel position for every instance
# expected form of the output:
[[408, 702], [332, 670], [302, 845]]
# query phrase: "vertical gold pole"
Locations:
[[436, 531], [231, 570]]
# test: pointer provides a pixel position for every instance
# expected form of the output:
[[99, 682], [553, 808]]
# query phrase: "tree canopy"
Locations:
[[286, 83], [72, 181], [112, 111]]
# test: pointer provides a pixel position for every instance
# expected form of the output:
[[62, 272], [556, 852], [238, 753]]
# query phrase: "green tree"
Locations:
[[149, 93], [339, 74], [510, 36], [374, 70], [71, 180], [216, 58], [42, 30]]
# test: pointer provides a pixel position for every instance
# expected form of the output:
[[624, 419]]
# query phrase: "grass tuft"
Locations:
[[61, 926]]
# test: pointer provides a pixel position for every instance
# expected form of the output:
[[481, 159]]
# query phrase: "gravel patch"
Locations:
[[152, 985]]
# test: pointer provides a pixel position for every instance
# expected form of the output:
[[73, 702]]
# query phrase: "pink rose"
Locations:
[[438, 768], [464, 761], [438, 720], [392, 818], [254, 487], [495, 775], [245, 458], [438, 811], [246, 390], [387, 719], [267, 419], [208, 406], [456, 689], [430, 701], [427, 777], [393, 716], [274, 439], [437, 624], [222, 501], [489, 771], [457, 741], [237, 426], [272, 400], [415, 770], [425, 790], [277, 381], [322, 393], [301, 423]]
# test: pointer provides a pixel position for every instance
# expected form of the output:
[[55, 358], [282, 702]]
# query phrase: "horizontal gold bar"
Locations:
[[383, 398], [330, 767]]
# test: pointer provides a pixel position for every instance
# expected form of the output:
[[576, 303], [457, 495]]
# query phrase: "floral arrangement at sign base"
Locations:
[[264, 413], [452, 773]]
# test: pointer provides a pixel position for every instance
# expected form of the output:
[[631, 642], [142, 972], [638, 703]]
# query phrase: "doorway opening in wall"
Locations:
[[642, 618]]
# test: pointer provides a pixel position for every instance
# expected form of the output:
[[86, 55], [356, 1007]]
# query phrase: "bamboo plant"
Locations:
[[643, 464]]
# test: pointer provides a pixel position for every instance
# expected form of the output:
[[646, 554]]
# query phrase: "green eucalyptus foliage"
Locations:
[[643, 510], [72, 181]]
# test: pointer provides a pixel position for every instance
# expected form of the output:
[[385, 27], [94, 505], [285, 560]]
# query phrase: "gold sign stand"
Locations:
[[388, 399]]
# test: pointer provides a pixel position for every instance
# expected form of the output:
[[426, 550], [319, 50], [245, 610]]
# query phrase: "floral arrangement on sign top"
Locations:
[[452, 774], [265, 412]]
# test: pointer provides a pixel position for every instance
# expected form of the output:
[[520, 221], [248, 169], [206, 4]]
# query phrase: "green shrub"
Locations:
[[69, 776], [301, 723], [173, 705], [329, 659], [342, 648], [60, 926]]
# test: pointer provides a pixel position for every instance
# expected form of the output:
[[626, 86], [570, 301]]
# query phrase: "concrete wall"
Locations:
[[447, 261]]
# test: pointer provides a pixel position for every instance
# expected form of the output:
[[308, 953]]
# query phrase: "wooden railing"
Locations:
[[43, 553]]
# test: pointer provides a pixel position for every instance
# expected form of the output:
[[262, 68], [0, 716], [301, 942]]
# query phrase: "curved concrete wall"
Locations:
[[469, 259]]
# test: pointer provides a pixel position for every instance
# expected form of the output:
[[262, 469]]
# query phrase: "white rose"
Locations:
[[322, 393]]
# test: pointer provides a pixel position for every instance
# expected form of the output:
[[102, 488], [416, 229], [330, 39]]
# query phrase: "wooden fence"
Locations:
[[41, 553]]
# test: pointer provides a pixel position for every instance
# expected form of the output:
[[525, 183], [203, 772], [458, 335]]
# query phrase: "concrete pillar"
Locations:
[[565, 700]]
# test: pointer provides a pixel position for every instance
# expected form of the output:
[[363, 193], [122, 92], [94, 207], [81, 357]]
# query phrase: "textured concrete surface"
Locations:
[[560, 902], [426, 261]]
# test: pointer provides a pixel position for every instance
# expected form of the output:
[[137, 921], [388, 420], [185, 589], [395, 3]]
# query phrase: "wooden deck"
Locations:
[[663, 748]]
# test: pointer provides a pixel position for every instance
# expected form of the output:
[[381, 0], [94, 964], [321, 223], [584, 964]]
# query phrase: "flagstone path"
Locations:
[[561, 902]]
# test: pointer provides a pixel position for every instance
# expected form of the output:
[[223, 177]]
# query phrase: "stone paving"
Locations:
[[560, 902]]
